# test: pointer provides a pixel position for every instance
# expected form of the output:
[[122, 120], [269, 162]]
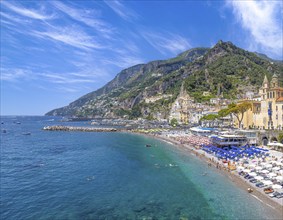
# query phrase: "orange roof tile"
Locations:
[[279, 99]]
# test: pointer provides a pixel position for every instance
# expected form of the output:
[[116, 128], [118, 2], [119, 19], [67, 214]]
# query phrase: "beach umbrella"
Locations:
[[268, 165], [276, 168], [279, 178], [258, 168], [272, 174], [246, 170], [264, 171], [240, 168], [259, 178], [278, 163], [252, 165], [252, 174], [276, 186], [263, 163], [267, 182]]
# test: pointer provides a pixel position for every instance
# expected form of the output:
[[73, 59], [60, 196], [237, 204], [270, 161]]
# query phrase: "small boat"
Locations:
[[26, 133], [268, 190], [250, 190], [148, 145]]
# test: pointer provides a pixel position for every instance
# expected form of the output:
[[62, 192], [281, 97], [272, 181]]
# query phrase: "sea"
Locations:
[[87, 175]]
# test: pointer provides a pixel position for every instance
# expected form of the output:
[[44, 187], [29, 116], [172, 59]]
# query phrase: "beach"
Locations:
[[275, 204]]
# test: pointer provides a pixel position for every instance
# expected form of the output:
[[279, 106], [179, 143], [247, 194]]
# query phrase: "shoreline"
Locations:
[[234, 177]]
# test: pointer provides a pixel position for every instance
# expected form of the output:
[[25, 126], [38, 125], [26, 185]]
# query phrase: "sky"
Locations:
[[53, 52]]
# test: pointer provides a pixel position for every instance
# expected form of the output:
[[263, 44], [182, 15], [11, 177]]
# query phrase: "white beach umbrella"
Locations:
[[268, 165], [267, 182], [263, 163], [275, 168], [276, 186], [252, 165], [279, 178], [258, 168], [278, 163], [240, 168], [258, 177], [252, 174], [246, 170], [264, 171], [272, 174]]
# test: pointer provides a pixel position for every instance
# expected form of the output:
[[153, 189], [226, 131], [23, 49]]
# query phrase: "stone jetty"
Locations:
[[72, 128]]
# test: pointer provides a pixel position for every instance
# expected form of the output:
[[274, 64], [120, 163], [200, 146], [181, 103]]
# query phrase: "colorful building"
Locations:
[[267, 108]]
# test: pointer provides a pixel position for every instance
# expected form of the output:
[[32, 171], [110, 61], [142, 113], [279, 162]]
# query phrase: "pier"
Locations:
[[73, 128]]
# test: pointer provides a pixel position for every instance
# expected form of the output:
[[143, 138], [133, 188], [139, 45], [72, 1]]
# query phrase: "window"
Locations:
[[276, 107]]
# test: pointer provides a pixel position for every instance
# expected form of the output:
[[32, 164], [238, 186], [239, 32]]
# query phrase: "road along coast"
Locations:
[[275, 206]]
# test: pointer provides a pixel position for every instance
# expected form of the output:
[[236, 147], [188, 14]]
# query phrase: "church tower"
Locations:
[[274, 81], [265, 84], [265, 87]]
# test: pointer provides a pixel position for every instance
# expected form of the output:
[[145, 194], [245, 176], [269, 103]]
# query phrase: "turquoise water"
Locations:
[[76, 175]]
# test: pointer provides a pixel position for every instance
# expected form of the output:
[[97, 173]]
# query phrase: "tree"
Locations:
[[209, 117], [223, 112], [239, 110], [173, 122]]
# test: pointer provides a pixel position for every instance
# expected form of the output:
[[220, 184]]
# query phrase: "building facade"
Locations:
[[180, 108], [267, 108]]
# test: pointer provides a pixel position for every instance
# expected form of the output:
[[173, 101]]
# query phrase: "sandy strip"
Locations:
[[233, 176]]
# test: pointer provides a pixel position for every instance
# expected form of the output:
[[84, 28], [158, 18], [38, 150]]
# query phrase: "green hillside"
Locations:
[[146, 90]]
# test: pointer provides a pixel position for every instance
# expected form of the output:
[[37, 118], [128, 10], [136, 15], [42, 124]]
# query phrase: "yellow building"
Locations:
[[267, 108]]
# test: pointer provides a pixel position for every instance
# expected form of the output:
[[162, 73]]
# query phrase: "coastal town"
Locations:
[[250, 149], [245, 144]]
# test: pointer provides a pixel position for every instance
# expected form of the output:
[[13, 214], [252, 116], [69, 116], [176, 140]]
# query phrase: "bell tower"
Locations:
[[274, 83], [265, 87]]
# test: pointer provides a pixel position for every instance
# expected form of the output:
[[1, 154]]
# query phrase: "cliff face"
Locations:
[[147, 90]]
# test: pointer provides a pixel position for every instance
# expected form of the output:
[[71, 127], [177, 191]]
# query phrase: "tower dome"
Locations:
[[274, 81]]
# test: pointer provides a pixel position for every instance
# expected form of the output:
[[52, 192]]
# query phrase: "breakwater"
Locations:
[[73, 128]]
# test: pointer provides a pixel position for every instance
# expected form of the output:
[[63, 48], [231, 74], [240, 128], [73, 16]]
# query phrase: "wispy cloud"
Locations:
[[263, 20], [124, 61], [166, 42], [71, 36], [121, 10], [14, 74], [84, 16], [38, 14]]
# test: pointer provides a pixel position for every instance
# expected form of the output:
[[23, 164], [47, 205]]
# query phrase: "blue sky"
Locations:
[[53, 52]]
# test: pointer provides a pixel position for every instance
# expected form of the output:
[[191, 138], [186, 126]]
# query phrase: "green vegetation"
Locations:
[[174, 122], [224, 71], [209, 117]]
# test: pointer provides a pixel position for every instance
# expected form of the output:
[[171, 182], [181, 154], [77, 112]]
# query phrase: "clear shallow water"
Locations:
[[76, 175]]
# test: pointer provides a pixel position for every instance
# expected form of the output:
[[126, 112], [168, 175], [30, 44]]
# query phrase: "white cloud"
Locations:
[[81, 16], [70, 36], [263, 20], [166, 42], [14, 74], [38, 14], [124, 12]]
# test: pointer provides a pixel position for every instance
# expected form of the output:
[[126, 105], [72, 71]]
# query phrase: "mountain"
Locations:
[[148, 90]]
